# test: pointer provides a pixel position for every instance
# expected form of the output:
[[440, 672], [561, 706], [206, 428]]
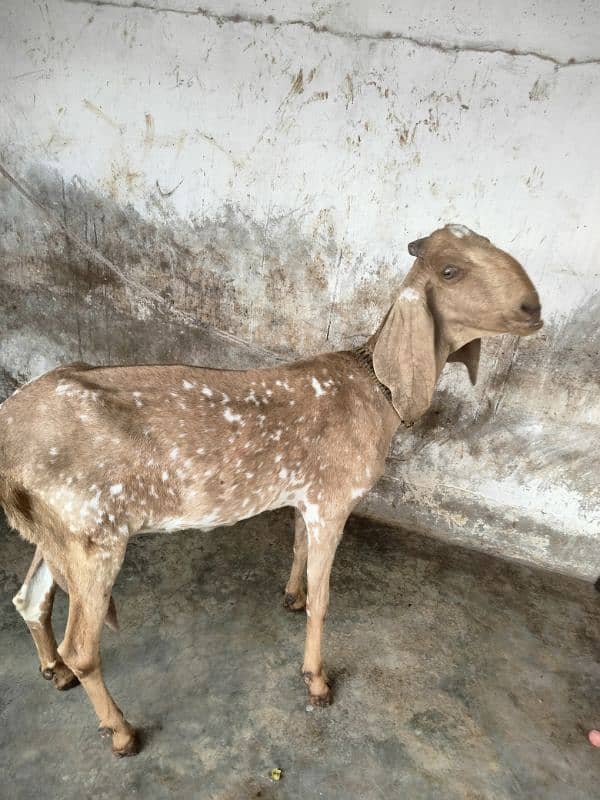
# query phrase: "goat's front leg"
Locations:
[[295, 597], [323, 538], [90, 580], [34, 602]]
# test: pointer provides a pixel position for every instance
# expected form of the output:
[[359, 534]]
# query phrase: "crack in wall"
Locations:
[[384, 36], [139, 289]]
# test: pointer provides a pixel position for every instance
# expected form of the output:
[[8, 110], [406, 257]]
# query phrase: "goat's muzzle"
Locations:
[[528, 317]]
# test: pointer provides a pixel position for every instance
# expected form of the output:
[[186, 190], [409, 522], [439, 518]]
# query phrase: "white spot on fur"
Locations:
[[29, 599], [230, 416], [460, 231], [116, 488], [409, 295], [206, 391], [317, 387], [187, 384], [204, 522], [312, 518]]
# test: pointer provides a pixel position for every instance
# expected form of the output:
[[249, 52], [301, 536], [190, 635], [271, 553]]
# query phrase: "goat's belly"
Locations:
[[203, 523], [220, 514]]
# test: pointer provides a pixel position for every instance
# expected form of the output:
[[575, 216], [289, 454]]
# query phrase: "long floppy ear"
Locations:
[[469, 356], [404, 357]]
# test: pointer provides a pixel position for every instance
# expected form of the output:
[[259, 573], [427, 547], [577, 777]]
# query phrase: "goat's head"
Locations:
[[459, 289]]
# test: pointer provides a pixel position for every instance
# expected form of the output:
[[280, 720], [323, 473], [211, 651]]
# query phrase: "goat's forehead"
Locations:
[[473, 250]]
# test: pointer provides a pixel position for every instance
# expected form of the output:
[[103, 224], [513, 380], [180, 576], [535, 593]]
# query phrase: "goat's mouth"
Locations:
[[526, 328]]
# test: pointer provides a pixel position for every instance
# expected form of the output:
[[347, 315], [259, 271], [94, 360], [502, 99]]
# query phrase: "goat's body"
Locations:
[[91, 456], [123, 450]]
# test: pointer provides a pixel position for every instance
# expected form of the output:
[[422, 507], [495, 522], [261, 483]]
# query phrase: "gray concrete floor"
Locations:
[[456, 676]]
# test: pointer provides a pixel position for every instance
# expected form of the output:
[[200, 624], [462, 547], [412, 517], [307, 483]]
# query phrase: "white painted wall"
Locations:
[[368, 124]]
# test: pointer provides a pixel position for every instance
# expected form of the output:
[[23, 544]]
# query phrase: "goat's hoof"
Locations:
[[125, 745], [63, 679], [61, 676], [321, 700], [294, 602], [319, 690]]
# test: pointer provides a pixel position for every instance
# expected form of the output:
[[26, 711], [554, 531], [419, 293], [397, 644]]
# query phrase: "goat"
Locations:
[[90, 456]]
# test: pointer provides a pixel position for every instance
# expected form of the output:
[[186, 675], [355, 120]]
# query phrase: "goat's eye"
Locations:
[[449, 272]]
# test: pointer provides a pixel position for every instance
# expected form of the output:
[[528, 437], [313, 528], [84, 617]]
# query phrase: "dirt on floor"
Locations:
[[456, 675]]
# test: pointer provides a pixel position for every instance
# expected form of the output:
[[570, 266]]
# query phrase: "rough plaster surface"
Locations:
[[456, 676], [235, 183]]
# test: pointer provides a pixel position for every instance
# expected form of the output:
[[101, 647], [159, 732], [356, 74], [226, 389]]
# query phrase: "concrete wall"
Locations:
[[237, 183]]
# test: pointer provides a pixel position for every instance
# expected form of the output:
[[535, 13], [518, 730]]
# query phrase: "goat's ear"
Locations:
[[414, 248], [404, 357], [469, 356]]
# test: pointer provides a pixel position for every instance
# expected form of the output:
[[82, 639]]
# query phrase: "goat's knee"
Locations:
[[82, 663]]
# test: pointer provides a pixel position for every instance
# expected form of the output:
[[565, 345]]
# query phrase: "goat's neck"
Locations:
[[386, 416], [446, 343]]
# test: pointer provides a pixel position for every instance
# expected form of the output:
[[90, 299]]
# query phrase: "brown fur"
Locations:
[[91, 456]]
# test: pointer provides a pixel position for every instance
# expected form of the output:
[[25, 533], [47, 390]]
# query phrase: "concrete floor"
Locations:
[[456, 676]]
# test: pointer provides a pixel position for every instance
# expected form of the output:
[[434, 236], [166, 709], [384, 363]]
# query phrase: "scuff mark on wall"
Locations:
[[98, 112], [539, 90], [298, 83], [149, 135]]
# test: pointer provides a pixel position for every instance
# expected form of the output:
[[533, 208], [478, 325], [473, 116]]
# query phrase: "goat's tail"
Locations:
[[111, 620]]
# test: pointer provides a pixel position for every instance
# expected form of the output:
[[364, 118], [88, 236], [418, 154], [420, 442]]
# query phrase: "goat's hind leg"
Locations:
[[90, 579], [34, 602], [295, 595]]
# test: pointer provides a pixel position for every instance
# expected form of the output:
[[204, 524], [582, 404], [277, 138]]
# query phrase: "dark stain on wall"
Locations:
[[266, 284]]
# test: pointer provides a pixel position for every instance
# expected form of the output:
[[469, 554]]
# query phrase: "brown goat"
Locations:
[[91, 456]]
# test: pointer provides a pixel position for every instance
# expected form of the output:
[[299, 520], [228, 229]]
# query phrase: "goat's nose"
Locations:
[[531, 309]]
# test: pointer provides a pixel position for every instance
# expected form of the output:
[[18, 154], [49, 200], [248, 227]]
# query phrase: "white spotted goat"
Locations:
[[90, 456]]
